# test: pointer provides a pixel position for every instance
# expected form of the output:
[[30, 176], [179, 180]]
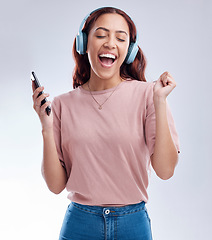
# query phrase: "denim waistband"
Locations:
[[112, 210]]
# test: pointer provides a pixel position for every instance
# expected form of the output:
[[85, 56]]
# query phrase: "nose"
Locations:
[[110, 43]]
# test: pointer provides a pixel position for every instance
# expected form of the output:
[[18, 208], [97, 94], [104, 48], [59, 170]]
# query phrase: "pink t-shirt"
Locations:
[[106, 152]]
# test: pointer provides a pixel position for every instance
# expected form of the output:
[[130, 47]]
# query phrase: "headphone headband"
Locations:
[[86, 17]]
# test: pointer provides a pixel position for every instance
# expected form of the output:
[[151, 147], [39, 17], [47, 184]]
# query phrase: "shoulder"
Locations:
[[64, 98], [137, 83], [139, 86], [141, 91]]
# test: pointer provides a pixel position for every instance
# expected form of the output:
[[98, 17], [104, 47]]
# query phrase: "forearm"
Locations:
[[52, 170], [165, 155]]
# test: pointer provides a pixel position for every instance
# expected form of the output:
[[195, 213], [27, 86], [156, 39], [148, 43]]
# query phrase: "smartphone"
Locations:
[[37, 84]]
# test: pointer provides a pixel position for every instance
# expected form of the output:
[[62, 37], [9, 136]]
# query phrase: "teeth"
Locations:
[[108, 55]]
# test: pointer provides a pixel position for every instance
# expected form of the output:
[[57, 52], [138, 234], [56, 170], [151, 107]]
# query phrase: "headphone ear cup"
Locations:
[[132, 52], [81, 43], [85, 41]]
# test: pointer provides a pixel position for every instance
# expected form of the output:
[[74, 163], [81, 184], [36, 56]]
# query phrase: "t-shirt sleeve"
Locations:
[[56, 110], [150, 122]]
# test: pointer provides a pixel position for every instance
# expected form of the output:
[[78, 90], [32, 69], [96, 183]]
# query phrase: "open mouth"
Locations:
[[107, 59]]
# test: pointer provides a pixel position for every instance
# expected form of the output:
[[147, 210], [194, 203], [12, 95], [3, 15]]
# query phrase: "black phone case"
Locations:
[[37, 84]]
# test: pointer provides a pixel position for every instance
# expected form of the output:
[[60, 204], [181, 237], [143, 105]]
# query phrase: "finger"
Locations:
[[169, 77], [33, 86], [166, 75], [42, 96], [164, 79], [44, 106], [163, 75], [169, 81], [37, 106], [39, 99], [36, 92]]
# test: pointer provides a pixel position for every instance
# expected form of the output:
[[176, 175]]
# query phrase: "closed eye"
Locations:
[[121, 40], [100, 36]]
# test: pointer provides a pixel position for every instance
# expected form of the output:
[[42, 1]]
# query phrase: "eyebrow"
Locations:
[[107, 30]]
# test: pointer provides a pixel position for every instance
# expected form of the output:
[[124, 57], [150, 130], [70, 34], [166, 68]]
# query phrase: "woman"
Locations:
[[103, 136]]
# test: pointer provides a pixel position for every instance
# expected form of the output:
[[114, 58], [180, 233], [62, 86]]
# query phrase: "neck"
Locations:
[[98, 84]]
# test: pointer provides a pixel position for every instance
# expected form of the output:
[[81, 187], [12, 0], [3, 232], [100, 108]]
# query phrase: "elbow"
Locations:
[[56, 191], [54, 187], [165, 175], [166, 171]]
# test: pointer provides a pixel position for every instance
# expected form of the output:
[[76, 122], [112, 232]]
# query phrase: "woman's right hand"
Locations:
[[46, 120]]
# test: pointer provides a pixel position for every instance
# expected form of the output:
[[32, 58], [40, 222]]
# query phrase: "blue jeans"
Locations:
[[85, 222]]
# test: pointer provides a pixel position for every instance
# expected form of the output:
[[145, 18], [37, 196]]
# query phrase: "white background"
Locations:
[[38, 35]]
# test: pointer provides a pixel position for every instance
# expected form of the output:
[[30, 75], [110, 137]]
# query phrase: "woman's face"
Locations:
[[108, 42]]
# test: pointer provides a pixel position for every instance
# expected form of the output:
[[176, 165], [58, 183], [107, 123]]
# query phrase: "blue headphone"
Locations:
[[82, 39]]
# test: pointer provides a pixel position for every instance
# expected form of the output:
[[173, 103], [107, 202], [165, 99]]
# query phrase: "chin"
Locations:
[[106, 76]]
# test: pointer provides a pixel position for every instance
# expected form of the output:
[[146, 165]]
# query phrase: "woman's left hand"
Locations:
[[163, 86]]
